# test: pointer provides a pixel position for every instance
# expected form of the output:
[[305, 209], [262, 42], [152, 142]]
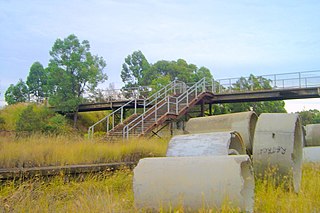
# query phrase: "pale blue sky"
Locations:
[[232, 37]]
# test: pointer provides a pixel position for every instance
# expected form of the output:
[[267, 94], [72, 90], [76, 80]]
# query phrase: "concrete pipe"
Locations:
[[278, 143], [194, 182], [313, 135], [311, 154], [206, 144], [243, 122]]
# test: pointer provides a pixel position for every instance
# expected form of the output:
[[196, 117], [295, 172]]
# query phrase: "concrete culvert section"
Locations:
[[243, 122], [311, 154], [194, 182], [278, 144], [206, 144], [312, 135]]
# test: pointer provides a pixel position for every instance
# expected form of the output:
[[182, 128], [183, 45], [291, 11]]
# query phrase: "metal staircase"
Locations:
[[115, 129], [171, 102], [170, 107]]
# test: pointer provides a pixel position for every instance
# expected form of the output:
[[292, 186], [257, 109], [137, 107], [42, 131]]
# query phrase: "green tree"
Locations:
[[180, 69], [37, 81], [310, 116], [17, 93], [137, 71], [203, 72], [134, 70], [73, 70]]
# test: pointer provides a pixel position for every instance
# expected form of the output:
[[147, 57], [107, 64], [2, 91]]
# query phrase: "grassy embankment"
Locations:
[[113, 193], [41, 150]]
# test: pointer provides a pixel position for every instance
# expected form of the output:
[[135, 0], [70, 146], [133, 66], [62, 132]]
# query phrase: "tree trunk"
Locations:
[[75, 118]]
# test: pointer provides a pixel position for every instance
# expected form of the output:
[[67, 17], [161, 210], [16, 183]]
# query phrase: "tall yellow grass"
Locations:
[[113, 193], [41, 150]]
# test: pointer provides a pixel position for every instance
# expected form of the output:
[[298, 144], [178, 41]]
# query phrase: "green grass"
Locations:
[[41, 150], [113, 193]]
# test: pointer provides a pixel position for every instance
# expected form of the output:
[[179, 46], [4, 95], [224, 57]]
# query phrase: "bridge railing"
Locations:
[[265, 82]]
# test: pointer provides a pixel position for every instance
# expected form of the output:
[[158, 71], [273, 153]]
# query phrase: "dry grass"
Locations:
[[106, 192], [113, 193], [95, 193], [270, 198], [40, 150]]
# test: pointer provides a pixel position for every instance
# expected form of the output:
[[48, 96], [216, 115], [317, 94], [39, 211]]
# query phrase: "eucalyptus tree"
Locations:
[[17, 93], [73, 70], [37, 81]]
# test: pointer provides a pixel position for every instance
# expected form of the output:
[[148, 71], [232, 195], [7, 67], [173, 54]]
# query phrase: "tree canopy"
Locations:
[[17, 93], [37, 81], [310, 116], [137, 71], [73, 70], [134, 70]]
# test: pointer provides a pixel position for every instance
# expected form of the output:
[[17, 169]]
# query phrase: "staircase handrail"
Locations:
[[163, 92], [91, 128], [141, 116]]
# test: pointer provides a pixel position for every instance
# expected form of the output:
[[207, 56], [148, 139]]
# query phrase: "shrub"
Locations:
[[35, 119], [11, 114], [28, 121], [57, 125], [2, 123]]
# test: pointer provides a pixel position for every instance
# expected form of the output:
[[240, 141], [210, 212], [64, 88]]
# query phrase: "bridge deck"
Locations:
[[211, 98]]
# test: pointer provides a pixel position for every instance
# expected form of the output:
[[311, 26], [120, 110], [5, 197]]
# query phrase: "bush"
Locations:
[[11, 114], [35, 119], [28, 121], [57, 125]]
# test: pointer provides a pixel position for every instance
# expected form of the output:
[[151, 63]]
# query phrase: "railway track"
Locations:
[[25, 173]]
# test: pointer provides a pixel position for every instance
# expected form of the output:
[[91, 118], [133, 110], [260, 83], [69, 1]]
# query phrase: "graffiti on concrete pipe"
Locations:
[[272, 150], [278, 143]]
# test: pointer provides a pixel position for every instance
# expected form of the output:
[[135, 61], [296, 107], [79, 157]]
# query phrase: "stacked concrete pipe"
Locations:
[[312, 135], [206, 144], [278, 144], [242, 122], [194, 182], [200, 171], [311, 153]]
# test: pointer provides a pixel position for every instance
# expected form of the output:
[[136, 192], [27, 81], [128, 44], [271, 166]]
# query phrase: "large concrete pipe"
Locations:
[[313, 135], [194, 182], [311, 154], [243, 122], [278, 142], [206, 144]]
